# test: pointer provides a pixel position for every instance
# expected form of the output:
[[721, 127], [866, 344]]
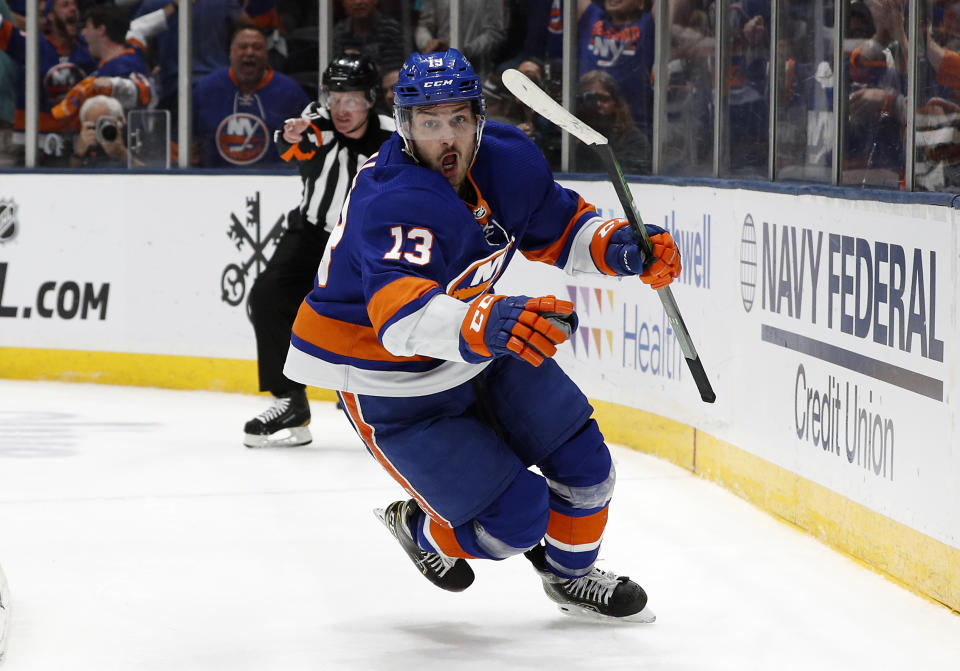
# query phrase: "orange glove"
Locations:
[[527, 328], [666, 265]]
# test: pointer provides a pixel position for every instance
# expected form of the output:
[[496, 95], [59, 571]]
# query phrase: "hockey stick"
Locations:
[[535, 98]]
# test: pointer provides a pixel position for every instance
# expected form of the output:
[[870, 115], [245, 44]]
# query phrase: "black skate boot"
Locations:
[[599, 595], [453, 575], [283, 424]]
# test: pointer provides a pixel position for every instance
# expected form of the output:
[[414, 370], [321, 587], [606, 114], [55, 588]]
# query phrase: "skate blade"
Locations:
[[645, 616], [295, 437]]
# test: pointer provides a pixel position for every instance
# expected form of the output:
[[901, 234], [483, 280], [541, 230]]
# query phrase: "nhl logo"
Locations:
[[480, 212], [8, 220]]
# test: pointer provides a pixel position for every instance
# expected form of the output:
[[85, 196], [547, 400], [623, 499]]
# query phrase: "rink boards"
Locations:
[[828, 328]]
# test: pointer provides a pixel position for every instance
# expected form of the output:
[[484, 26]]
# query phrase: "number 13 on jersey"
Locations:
[[421, 238]]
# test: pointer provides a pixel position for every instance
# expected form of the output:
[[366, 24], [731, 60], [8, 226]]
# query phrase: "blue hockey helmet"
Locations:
[[434, 79]]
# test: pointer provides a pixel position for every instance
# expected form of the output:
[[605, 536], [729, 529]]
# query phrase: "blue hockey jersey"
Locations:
[[408, 256], [236, 130]]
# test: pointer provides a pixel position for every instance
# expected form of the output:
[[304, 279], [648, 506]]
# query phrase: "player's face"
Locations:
[[444, 137], [349, 111]]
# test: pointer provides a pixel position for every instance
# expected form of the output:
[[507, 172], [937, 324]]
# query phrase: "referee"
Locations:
[[328, 142]]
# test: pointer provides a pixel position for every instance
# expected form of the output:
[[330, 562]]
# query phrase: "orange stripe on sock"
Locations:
[[577, 530], [447, 541], [367, 434]]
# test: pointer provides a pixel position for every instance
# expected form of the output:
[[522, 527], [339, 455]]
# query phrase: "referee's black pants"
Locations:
[[276, 296]]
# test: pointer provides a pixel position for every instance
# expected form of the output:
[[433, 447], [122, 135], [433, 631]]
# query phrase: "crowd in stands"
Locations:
[[255, 62]]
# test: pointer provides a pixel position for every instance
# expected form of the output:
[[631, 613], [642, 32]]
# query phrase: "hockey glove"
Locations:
[[616, 245], [527, 328]]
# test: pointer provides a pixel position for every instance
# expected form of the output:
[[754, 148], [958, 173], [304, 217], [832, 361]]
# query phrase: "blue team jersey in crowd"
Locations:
[[129, 61], [236, 130], [625, 52], [405, 236], [59, 72]]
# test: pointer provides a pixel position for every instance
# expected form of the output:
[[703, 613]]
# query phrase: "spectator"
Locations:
[[877, 104], [618, 38], [264, 15], [366, 31], [214, 21], [328, 142], [8, 73], [122, 72], [387, 82], [747, 99], [101, 142], [234, 108], [504, 107], [482, 26], [64, 62], [601, 105]]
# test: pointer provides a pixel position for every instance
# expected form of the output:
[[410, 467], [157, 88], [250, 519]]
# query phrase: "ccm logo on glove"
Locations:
[[527, 328]]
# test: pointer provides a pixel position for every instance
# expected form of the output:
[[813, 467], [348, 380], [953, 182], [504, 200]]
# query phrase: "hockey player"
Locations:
[[328, 142], [450, 385]]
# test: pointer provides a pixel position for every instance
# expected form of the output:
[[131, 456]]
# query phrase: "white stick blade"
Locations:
[[537, 99]]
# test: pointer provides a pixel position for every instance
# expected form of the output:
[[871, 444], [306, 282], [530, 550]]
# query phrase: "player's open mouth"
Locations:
[[448, 164]]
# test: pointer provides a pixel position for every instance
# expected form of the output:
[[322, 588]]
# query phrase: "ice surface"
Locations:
[[138, 534]]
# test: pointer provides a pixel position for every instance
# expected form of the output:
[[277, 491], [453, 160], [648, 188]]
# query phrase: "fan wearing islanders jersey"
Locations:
[[450, 385], [235, 109]]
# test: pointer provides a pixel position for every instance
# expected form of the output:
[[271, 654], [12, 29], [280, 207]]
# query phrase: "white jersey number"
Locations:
[[422, 239]]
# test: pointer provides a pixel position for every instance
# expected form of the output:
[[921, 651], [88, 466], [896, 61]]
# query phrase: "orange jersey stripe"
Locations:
[[392, 297], [368, 435], [577, 530], [446, 541], [6, 30], [269, 19], [551, 253], [343, 338], [949, 72], [46, 123]]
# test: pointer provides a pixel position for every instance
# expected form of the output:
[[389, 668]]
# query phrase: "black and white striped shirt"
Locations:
[[328, 162]]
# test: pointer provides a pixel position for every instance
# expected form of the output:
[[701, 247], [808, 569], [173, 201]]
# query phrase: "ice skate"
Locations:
[[453, 575], [599, 595], [283, 424]]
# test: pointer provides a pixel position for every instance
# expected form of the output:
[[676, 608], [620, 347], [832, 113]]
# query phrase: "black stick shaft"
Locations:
[[665, 294]]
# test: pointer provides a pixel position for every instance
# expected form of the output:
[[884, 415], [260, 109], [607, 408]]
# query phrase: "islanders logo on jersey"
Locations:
[[242, 139], [480, 276], [608, 44], [555, 23], [59, 79]]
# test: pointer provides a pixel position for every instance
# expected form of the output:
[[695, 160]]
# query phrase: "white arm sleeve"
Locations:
[[581, 260], [144, 27], [433, 330], [126, 92]]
